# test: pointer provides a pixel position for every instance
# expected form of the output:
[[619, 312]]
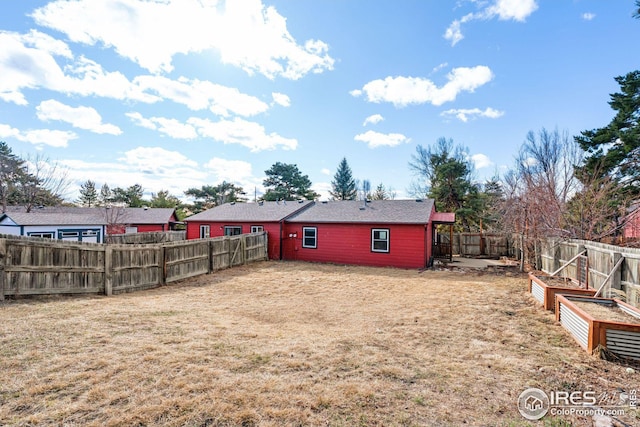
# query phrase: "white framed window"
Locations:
[[130, 230], [205, 231], [257, 229], [90, 233], [43, 234], [232, 230], [309, 237], [379, 240], [68, 234]]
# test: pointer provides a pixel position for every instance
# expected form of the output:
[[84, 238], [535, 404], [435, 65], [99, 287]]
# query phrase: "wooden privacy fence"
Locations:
[[613, 270], [33, 266], [146, 238], [493, 245]]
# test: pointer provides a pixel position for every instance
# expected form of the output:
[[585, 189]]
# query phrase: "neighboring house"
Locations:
[[140, 220], [386, 233], [241, 218], [84, 224], [393, 233], [81, 225], [632, 222]]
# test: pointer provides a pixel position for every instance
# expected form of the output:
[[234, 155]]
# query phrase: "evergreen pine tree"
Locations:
[[88, 194], [343, 186], [106, 196]]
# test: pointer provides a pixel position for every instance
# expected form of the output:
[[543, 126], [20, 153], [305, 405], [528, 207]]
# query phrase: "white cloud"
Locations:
[[517, 10], [229, 170], [504, 10], [324, 189], [158, 161], [239, 131], [464, 115], [403, 91], [481, 161], [236, 131], [80, 117], [588, 16], [28, 62], [198, 95], [376, 139], [440, 67], [170, 127], [325, 171], [246, 33], [374, 119], [154, 168], [454, 32], [281, 99], [53, 138]]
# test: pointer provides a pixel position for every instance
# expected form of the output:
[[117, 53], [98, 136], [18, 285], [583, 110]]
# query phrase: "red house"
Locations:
[[232, 219], [386, 233], [389, 233], [632, 222], [139, 220]]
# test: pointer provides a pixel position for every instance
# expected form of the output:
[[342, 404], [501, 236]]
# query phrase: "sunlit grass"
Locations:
[[291, 344]]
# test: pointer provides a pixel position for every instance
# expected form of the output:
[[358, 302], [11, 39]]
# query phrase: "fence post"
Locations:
[[163, 264], [616, 279], [108, 270], [243, 248], [556, 253], [3, 276], [211, 256], [265, 239]]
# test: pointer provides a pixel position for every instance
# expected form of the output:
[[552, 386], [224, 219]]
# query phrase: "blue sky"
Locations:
[[173, 94]]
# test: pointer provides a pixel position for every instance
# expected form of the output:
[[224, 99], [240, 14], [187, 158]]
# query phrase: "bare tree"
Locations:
[[45, 183], [537, 192]]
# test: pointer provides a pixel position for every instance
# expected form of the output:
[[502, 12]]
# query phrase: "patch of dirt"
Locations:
[[604, 312], [289, 343]]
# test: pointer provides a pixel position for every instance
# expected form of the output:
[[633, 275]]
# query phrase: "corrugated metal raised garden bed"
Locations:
[[601, 324], [544, 288]]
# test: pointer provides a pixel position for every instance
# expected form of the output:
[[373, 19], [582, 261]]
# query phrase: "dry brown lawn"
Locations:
[[275, 344]]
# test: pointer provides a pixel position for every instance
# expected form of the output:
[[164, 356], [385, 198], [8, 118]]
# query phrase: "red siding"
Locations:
[[632, 227], [142, 228], [216, 229], [409, 245]]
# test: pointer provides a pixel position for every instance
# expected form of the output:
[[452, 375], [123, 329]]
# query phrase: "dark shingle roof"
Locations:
[[65, 215], [57, 218], [250, 212], [148, 215], [376, 211]]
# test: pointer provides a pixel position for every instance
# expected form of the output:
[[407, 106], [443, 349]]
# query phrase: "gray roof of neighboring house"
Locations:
[[63, 215], [55, 218], [148, 215], [376, 211], [251, 212]]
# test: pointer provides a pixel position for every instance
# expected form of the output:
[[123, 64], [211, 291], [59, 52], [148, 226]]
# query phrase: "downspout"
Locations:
[[426, 244], [281, 223]]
